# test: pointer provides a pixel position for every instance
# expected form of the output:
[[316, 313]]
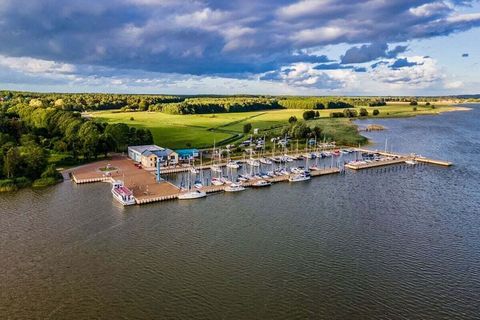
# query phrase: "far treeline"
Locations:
[[196, 104], [31, 132]]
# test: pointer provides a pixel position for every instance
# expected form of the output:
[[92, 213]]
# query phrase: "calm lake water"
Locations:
[[397, 243]]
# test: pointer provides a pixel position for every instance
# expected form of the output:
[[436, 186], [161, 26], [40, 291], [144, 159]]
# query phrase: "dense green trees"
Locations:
[[217, 105], [31, 129]]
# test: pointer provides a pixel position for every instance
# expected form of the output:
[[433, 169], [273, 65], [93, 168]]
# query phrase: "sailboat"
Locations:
[[191, 193], [215, 167], [253, 162]]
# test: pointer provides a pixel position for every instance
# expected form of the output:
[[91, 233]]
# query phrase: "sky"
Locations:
[[281, 47]]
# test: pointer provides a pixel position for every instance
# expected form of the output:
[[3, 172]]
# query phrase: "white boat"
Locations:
[[297, 170], [234, 187], [261, 183], [198, 184], [253, 162], [122, 194], [216, 168], [194, 194], [217, 182], [194, 170], [299, 177], [265, 161], [314, 168], [411, 162], [233, 165]]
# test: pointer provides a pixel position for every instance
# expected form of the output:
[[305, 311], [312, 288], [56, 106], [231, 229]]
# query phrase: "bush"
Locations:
[[414, 108], [247, 127], [292, 119], [317, 114], [308, 115], [44, 182], [363, 112], [413, 103], [336, 115], [350, 113], [376, 112]]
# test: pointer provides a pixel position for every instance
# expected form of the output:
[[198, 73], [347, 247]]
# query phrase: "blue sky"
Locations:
[[307, 47]]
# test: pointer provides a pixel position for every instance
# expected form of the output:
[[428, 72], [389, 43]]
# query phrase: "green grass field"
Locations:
[[180, 131]]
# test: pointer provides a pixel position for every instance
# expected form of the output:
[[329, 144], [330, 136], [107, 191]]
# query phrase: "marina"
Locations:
[[142, 186]]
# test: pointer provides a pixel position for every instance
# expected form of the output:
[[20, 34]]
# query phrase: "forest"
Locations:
[[31, 130]]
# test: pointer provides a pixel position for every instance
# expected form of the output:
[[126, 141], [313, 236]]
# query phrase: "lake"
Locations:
[[397, 243]]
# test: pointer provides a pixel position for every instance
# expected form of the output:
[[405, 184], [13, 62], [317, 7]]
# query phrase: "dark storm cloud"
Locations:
[[234, 38], [367, 53], [402, 63]]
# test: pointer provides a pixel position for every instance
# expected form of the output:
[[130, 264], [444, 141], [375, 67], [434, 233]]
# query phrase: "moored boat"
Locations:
[[233, 165], [411, 162], [193, 194], [261, 183], [234, 187], [122, 194], [299, 177]]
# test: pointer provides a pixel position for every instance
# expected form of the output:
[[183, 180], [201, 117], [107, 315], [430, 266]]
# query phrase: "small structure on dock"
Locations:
[[185, 155]]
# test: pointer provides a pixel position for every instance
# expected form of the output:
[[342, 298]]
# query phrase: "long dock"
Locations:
[[147, 189], [396, 159], [215, 189]]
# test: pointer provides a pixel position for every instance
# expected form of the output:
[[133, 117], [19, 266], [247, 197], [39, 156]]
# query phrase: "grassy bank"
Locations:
[[180, 131]]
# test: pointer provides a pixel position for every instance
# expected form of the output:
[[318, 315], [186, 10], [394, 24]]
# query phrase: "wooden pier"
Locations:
[[146, 189], [395, 159]]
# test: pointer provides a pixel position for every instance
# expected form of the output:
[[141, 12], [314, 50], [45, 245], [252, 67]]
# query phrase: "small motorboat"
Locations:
[[217, 181], [194, 170], [233, 165], [216, 168], [411, 162], [261, 183], [198, 184], [194, 194], [265, 161], [299, 177], [314, 168], [234, 187]]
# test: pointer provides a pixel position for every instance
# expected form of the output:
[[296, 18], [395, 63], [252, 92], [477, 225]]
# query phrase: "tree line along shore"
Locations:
[[40, 132]]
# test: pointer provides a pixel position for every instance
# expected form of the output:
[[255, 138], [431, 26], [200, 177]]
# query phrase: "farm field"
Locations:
[[201, 130]]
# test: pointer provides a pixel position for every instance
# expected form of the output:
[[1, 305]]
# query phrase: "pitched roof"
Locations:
[[142, 149]]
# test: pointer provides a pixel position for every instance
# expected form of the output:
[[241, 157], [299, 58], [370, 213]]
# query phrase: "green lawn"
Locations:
[[178, 131]]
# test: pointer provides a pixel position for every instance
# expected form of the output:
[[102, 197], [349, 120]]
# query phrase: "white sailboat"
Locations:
[[191, 193]]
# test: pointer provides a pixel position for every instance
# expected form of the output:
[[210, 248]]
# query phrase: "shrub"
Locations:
[[363, 112], [376, 112], [350, 113], [413, 103], [292, 119], [414, 108], [308, 115], [336, 115], [247, 127]]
